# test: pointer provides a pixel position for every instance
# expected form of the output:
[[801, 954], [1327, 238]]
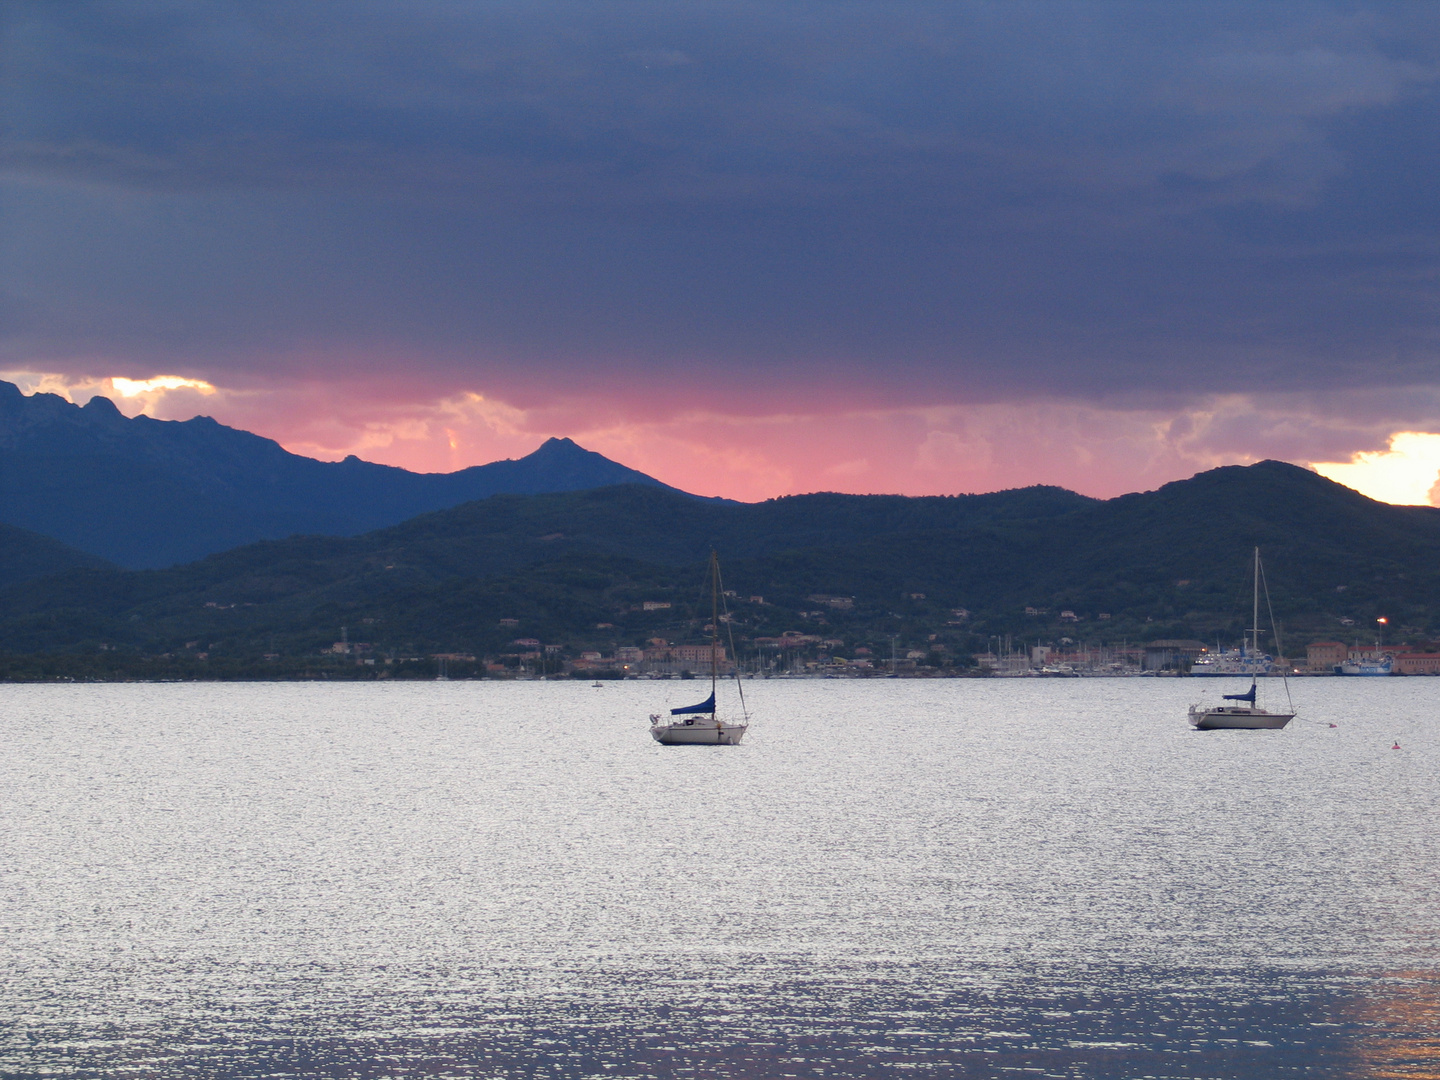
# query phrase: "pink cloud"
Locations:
[[763, 446], [905, 450]]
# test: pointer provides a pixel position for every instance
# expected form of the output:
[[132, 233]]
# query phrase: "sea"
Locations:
[[889, 878]]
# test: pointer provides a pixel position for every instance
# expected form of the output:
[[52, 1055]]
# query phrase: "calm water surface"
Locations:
[[890, 878]]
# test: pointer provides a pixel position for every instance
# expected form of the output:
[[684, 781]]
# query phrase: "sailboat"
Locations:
[[701, 725], [1246, 714]]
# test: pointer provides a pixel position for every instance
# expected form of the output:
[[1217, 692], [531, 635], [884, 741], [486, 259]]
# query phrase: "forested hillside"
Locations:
[[576, 569], [25, 555]]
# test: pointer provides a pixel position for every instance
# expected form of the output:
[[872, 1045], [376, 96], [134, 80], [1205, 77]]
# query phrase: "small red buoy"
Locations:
[[1395, 747]]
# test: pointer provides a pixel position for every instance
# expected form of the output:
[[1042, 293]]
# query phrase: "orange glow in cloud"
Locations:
[[129, 388], [1407, 473], [162, 396]]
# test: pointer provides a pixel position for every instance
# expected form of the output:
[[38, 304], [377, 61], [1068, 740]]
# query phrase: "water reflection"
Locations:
[[729, 1024], [887, 881], [1399, 1028]]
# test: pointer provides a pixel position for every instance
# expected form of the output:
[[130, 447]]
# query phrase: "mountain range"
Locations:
[[622, 564], [145, 493]]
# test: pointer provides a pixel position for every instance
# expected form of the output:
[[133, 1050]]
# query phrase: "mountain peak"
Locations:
[[93, 478], [559, 464], [559, 447], [100, 404]]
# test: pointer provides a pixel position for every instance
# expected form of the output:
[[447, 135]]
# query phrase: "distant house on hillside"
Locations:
[[790, 639]]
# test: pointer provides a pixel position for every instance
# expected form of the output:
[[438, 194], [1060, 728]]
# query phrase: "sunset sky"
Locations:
[[750, 248]]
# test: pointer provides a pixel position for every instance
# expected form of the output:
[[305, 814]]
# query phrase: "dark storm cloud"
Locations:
[[973, 200]]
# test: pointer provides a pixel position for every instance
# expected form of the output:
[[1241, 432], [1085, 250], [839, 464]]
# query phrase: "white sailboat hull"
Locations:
[[699, 733], [1237, 717]]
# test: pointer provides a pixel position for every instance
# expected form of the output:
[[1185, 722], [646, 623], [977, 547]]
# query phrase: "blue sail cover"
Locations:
[[708, 705], [1249, 695]]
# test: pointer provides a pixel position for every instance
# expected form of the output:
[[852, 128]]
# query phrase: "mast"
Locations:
[[714, 625], [1255, 613]]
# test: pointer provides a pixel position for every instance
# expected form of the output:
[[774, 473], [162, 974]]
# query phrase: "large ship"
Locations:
[[1374, 665], [1233, 662]]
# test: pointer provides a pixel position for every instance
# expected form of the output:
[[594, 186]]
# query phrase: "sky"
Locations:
[[750, 248]]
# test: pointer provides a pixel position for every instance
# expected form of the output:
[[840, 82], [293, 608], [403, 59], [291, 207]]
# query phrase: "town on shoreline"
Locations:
[[793, 656]]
